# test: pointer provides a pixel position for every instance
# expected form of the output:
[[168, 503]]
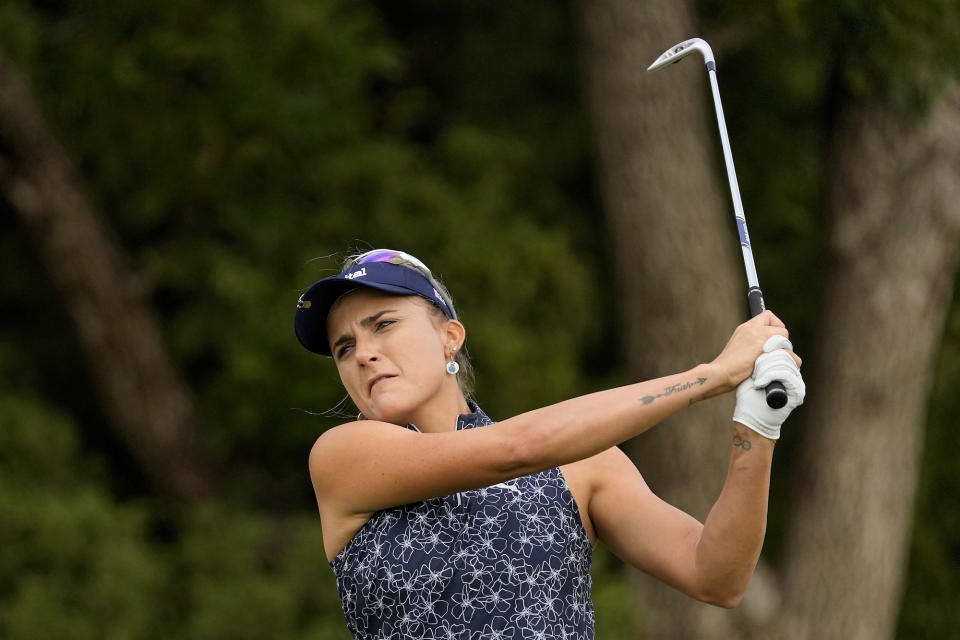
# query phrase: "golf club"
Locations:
[[776, 394]]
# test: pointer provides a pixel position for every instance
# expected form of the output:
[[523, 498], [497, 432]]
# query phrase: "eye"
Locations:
[[383, 324], [344, 350]]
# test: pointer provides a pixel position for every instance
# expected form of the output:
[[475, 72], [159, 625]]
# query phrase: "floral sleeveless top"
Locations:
[[507, 561]]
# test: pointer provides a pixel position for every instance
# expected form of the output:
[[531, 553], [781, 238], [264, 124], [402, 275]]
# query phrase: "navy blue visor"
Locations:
[[313, 307]]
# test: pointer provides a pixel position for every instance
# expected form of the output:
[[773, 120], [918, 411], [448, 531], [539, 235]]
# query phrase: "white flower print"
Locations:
[[435, 574], [448, 630], [528, 616], [421, 521], [491, 519], [549, 605], [553, 572], [378, 605], [411, 625], [535, 520], [386, 633], [435, 541], [408, 587], [574, 608], [476, 574], [522, 542], [512, 569], [496, 599], [389, 575], [490, 547], [405, 546], [432, 608], [461, 557], [498, 629], [506, 562], [465, 605]]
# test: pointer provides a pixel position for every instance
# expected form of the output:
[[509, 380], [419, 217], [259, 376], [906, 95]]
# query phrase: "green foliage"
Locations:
[[903, 49], [77, 564], [236, 152], [233, 148], [618, 612], [780, 84], [244, 575], [895, 50], [71, 559], [239, 150]]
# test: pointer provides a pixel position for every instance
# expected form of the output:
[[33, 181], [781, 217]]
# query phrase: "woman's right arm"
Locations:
[[368, 465]]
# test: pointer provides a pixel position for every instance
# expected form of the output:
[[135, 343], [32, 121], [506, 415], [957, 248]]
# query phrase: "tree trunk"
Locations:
[[895, 200], [143, 395], [681, 288]]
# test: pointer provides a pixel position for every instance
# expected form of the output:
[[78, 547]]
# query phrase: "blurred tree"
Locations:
[[226, 166], [676, 267], [896, 204], [892, 128], [149, 405], [228, 146]]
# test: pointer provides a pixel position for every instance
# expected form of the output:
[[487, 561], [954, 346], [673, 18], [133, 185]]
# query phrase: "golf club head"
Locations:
[[682, 50]]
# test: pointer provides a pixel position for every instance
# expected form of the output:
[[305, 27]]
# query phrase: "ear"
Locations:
[[455, 334]]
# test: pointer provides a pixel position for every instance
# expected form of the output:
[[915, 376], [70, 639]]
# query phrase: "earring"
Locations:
[[453, 366], [360, 416]]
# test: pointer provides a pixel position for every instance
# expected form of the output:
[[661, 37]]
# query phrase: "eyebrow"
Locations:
[[363, 323]]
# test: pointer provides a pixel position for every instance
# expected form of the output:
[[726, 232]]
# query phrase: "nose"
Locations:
[[366, 352]]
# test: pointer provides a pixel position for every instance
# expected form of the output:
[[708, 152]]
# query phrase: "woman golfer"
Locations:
[[440, 523]]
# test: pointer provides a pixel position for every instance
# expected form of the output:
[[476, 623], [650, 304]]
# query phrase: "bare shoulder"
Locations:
[[332, 439], [328, 444], [323, 452], [338, 445], [330, 458]]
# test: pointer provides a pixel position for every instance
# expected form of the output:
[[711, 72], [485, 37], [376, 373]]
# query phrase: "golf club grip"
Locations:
[[776, 393]]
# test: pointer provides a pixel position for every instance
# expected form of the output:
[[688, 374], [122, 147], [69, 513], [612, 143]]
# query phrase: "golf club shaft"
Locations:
[[776, 394]]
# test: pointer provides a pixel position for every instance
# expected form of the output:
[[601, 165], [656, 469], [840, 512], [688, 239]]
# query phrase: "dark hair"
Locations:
[[465, 376]]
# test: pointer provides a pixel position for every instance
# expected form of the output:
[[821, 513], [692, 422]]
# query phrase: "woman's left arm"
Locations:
[[712, 562], [732, 536]]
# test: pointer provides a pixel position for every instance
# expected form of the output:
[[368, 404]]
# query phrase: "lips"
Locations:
[[376, 379]]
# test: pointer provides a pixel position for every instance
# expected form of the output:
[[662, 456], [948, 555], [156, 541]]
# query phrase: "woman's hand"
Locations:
[[735, 362]]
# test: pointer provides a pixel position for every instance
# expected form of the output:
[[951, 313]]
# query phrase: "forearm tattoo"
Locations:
[[740, 441], [674, 388]]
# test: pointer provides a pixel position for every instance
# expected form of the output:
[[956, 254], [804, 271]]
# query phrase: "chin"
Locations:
[[393, 410]]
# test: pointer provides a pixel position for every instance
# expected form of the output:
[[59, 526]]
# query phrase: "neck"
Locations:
[[441, 414]]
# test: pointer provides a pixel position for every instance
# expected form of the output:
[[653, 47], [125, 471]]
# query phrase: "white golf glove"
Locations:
[[773, 364]]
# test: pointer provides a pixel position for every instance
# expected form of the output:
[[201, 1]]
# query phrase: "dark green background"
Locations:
[[237, 150]]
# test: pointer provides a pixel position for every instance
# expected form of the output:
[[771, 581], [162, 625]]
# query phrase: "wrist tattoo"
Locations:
[[743, 443], [674, 388]]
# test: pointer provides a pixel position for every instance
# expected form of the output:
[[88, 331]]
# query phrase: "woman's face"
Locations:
[[390, 352]]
